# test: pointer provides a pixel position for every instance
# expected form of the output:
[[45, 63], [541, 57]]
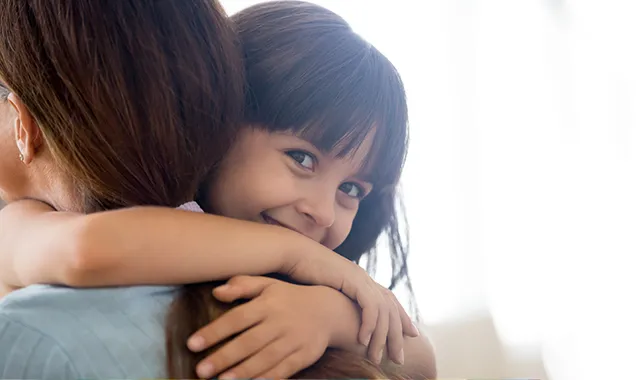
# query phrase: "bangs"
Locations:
[[335, 100]]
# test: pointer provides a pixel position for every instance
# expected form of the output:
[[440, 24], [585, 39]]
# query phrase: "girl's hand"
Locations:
[[282, 330], [384, 320]]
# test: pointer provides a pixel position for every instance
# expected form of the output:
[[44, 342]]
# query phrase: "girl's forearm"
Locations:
[[149, 245]]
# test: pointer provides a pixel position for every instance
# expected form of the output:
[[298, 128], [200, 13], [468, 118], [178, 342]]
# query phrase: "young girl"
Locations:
[[320, 154]]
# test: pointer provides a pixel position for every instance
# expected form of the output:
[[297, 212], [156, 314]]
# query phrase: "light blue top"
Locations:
[[49, 332], [53, 332]]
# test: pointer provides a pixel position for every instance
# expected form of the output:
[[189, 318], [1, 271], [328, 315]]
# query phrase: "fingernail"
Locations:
[[401, 357], [366, 341], [196, 343], [222, 288], [205, 370], [415, 329], [227, 376]]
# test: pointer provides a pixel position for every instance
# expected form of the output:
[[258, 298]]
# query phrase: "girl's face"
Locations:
[[281, 179]]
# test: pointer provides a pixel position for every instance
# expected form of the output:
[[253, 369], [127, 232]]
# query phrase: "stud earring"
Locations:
[[21, 157]]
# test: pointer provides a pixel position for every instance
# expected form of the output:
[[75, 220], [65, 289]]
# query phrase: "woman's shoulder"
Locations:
[[116, 332], [29, 353], [74, 299]]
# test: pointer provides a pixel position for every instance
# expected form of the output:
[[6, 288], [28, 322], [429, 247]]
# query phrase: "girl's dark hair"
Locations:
[[136, 99], [308, 72]]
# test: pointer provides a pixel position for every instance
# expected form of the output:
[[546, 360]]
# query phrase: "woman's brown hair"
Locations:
[[136, 99], [309, 73]]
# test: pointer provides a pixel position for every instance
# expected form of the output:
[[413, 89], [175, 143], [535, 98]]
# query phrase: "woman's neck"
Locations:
[[54, 187]]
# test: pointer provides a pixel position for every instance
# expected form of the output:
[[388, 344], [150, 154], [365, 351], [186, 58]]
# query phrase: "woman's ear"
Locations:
[[26, 130]]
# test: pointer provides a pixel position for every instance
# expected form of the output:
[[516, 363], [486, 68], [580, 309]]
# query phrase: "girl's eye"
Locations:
[[305, 159], [353, 190]]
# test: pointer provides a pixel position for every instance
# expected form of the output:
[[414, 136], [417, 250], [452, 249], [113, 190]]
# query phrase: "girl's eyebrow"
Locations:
[[364, 172], [308, 138], [365, 176]]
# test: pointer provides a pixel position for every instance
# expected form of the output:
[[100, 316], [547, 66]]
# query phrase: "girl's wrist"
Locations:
[[343, 320], [302, 258]]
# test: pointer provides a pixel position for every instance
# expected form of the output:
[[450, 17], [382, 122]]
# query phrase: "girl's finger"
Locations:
[[238, 349], [234, 321], [370, 319], [270, 357], [395, 339], [242, 287], [379, 338], [408, 328], [370, 303], [295, 362]]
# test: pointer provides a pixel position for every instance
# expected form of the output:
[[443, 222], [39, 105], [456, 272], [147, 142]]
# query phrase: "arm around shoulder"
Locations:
[[163, 246], [149, 246]]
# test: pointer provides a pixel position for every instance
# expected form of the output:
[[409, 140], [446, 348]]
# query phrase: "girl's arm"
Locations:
[[37, 245], [142, 245], [153, 245]]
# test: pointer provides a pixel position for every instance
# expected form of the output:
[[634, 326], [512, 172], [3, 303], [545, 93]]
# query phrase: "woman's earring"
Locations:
[[21, 157]]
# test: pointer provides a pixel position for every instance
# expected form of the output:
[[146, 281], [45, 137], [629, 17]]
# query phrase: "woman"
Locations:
[[107, 104]]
